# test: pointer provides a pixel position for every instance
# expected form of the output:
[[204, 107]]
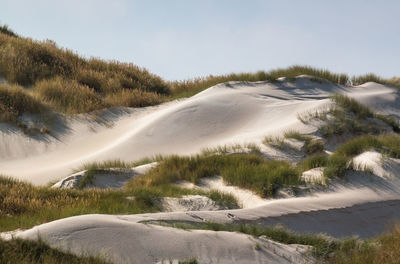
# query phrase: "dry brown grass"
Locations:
[[15, 101], [134, 98], [383, 249], [68, 96]]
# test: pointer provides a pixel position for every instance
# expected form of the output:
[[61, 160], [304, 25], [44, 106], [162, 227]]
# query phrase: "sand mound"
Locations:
[[363, 204], [113, 178], [125, 241], [228, 113], [189, 203]]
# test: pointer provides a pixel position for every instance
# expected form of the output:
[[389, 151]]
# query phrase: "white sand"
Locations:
[[363, 204], [188, 203], [223, 114], [125, 241]]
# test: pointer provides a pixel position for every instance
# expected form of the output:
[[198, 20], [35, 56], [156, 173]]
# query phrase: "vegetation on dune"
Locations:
[[191, 87], [322, 245], [72, 84], [68, 96], [349, 117], [23, 205], [249, 171], [15, 101], [361, 111], [339, 161], [313, 161], [90, 84], [4, 29], [38, 252], [382, 249]]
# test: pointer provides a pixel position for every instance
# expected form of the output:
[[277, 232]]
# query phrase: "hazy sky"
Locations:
[[181, 39]]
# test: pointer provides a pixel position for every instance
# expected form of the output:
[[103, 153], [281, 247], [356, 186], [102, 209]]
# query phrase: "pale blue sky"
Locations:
[[179, 39]]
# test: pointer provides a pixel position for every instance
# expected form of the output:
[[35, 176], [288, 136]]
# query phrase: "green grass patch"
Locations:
[[338, 162], [249, 171], [352, 117], [38, 252], [23, 205], [314, 161], [311, 145]]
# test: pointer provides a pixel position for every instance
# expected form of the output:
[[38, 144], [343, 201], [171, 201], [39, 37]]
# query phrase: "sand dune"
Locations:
[[224, 114], [363, 204]]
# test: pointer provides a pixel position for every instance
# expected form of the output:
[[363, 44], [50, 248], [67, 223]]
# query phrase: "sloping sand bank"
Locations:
[[223, 114]]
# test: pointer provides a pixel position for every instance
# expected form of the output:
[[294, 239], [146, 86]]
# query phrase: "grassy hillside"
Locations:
[[66, 82]]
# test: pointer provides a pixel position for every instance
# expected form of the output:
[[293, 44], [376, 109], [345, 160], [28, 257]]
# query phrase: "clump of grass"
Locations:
[[191, 87], [117, 163], [311, 145], [248, 171], [314, 161], [36, 252], [4, 29], [362, 111], [107, 164], [133, 98], [68, 96], [348, 116], [15, 101], [276, 142], [338, 162]]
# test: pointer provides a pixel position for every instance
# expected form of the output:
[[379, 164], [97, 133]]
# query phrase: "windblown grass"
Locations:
[[382, 249], [134, 98], [15, 101], [68, 96], [38, 252], [311, 145], [191, 87], [23, 205], [348, 116], [54, 71], [249, 171], [7, 31], [338, 162], [314, 161]]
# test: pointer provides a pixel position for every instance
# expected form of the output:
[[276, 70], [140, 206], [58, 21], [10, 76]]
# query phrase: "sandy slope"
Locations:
[[226, 113], [126, 241], [223, 114], [236, 112], [363, 205]]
